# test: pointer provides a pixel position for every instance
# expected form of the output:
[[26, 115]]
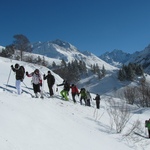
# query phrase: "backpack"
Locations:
[[22, 71], [67, 86], [146, 123]]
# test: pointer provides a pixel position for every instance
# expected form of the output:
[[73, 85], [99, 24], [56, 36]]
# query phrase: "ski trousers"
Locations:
[[64, 94], [18, 87], [51, 90]]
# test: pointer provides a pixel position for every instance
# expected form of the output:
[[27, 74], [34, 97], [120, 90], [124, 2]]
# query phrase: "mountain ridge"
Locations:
[[59, 49], [118, 58]]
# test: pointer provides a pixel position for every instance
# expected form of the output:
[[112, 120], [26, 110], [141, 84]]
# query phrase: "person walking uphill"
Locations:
[[88, 99], [74, 92], [50, 82], [36, 81], [83, 96], [20, 71], [97, 98], [147, 124], [66, 89]]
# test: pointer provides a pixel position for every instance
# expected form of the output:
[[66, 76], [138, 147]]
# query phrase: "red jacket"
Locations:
[[74, 90]]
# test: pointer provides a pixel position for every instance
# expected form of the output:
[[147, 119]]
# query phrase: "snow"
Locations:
[[53, 124]]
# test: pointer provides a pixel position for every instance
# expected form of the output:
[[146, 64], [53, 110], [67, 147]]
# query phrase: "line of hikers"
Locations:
[[36, 80], [84, 95], [37, 84]]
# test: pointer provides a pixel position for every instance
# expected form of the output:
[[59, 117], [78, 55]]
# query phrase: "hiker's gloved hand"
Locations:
[[11, 66], [27, 73]]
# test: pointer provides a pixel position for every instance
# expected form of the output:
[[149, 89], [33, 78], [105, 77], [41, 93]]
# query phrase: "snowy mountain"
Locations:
[[118, 58], [63, 50], [43, 124], [143, 58]]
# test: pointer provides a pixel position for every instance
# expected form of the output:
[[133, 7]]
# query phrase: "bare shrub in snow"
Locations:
[[130, 94], [144, 98], [119, 114]]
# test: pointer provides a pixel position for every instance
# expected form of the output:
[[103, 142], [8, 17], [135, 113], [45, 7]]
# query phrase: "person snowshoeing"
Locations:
[[36, 81], [64, 93], [50, 82], [20, 71]]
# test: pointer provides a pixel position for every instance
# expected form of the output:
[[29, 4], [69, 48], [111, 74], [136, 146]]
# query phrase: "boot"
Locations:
[[36, 95]]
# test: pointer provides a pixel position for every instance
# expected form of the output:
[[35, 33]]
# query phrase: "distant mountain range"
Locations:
[[118, 58], [63, 50], [59, 49]]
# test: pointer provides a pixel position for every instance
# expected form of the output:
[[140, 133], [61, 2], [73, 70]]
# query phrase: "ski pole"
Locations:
[[28, 90], [26, 86], [8, 78]]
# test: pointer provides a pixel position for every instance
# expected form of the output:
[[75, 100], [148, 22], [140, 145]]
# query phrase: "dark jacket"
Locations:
[[19, 73], [50, 79], [66, 85], [97, 98]]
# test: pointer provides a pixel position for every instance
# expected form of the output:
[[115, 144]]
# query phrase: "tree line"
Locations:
[[130, 71]]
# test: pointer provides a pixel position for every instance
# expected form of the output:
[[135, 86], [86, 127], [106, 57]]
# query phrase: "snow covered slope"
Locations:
[[50, 123]]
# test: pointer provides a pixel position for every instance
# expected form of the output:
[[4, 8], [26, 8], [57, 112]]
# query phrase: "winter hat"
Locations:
[[49, 72], [36, 71], [16, 66]]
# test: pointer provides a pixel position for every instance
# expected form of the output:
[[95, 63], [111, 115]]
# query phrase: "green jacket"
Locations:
[[83, 94]]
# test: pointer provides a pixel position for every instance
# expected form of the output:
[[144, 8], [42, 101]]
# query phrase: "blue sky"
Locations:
[[94, 25]]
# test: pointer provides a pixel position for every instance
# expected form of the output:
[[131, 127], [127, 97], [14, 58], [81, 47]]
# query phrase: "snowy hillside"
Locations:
[[51, 123]]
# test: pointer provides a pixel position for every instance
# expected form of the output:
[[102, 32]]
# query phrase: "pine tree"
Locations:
[[139, 70], [103, 71], [63, 63], [8, 51], [54, 64], [22, 43]]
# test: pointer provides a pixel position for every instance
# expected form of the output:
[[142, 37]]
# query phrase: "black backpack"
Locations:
[[67, 86], [22, 72], [146, 123]]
